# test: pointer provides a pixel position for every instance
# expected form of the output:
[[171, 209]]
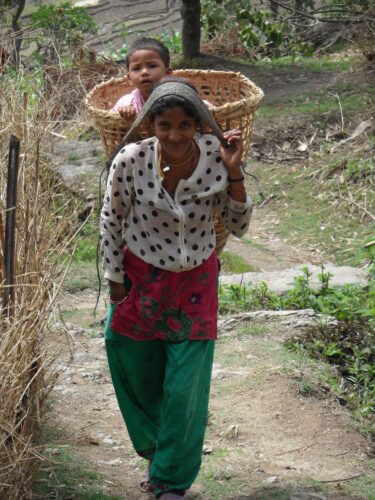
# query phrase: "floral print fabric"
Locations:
[[168, 305]]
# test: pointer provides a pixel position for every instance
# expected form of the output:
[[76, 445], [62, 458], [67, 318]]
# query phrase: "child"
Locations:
[[162, 325], [147, 62]]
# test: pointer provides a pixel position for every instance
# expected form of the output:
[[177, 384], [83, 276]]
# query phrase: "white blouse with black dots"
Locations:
[[175, 234]]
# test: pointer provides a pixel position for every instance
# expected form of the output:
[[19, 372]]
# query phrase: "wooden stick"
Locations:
[[10, 221], [2, 248], [350, 200], [342, 479]]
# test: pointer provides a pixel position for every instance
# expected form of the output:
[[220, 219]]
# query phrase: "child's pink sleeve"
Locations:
[[125, 100]]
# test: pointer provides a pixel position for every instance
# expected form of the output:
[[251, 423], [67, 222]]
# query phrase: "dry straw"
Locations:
[[233, 96], [44, 223]]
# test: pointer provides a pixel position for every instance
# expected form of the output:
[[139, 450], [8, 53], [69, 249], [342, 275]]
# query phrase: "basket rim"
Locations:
[[256, 99]]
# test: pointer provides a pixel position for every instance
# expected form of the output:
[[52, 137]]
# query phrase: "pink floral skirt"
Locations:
[[168, 305]]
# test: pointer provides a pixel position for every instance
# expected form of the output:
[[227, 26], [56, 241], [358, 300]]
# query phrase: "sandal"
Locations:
[[145, 484]]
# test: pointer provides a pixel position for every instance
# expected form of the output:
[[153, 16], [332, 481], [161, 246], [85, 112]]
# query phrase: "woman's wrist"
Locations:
[[235, 172], [235, 179]]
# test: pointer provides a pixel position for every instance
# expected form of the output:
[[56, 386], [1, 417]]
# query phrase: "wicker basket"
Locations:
[[233, 96]]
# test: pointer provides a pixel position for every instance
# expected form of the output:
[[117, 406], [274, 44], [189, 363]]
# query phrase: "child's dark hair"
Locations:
[[146, 43], [171, 101]]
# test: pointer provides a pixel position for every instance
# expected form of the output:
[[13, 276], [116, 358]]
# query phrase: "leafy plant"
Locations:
[[349, 345], [258, 30], [173, 40], [357, 170], [60, 29], [215, 17]]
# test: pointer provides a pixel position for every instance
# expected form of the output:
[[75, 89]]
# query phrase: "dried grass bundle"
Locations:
[[45, 222]]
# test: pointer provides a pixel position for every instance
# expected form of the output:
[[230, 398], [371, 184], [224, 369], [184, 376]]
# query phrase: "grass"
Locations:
[[314, 213], [351, 99], [73, 157], [66, 476], [84, 318], [81, 276], [82, 273], [253, 329], [363, 486], [217, 486], [232, 263], [306, 388], [316, 64]]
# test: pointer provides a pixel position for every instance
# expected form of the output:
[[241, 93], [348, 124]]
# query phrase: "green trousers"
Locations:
[[162, 389]]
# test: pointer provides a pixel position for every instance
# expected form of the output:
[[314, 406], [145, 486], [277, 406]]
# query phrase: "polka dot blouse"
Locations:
[[175, 234]]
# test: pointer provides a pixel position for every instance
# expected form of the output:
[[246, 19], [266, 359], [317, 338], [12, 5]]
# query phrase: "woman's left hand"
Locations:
[[232, 154]]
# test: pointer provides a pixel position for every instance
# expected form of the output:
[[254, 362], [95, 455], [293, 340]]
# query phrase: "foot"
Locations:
[[145, 484]]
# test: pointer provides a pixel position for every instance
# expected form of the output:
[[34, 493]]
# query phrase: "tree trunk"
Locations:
[[17, 32], [191, 28]]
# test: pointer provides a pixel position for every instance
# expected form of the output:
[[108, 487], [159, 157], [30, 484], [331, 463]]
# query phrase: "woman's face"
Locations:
[[175, 130]]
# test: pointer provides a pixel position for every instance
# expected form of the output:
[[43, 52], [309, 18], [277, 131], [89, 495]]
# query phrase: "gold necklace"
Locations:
[[188, 157]]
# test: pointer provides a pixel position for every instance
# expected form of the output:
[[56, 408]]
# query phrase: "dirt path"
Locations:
[[273, 430], [277, 83]]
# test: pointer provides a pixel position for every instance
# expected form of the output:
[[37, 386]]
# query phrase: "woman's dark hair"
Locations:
[[171, 101], [146, 43]]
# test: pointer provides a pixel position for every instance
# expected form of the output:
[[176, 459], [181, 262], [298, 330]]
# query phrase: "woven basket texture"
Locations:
[[233, 96]]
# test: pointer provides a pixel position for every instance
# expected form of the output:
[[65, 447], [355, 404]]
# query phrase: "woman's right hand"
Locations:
[[117, 291]]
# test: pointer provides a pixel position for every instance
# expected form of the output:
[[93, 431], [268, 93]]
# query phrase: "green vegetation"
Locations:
[[87, 242], [351, 99], [285, 29], [363, 486], [82, 273], [252, 329], [316, 64], [234, 264], [219, 484], [60, 29], [306, 388], [258, 29], [172, 39], [348, 303], [66, 476], [348, 344], [325, 203]]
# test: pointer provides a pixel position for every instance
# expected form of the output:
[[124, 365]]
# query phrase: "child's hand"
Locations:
[[127, 112], [232, 154]]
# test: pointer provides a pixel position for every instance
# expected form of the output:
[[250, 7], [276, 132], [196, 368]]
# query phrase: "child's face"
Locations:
[[145, 69], [175, 130]]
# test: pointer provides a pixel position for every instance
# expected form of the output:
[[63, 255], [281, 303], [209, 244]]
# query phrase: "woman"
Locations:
[[160, 200]]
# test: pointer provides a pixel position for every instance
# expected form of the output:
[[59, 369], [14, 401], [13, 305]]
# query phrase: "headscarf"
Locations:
[[173, 89], [181, 90]]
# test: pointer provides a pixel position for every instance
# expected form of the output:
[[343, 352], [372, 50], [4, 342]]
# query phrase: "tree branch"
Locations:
[[311, 16]]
